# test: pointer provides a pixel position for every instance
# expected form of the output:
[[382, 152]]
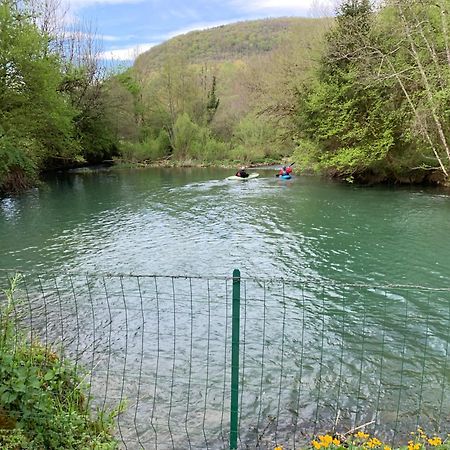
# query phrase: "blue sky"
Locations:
[[129, 27]]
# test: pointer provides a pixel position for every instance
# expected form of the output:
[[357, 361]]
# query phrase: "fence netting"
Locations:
[[314, 357]]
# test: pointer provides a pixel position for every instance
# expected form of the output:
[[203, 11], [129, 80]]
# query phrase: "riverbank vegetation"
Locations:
[[53, 112], [361, 96], [377, 107], [42, 401], [208, 96]]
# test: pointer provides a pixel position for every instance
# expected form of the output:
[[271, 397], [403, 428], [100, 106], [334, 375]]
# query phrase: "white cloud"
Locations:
[[127, 53], [289, 7], [108, 38], [78, 4]]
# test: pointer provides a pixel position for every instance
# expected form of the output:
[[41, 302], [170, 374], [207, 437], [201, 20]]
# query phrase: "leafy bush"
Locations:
[[205, 148], [188, 136], [244, 154], [42, 401], [258, 138], [151, 149], [18, 166], [215, 150], [307, 155], [196, 142]]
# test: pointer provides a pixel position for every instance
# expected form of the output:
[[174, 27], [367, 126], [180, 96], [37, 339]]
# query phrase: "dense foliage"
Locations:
[[377, 107], [51, 109], [362, 97], [208, 97], [42, 400]]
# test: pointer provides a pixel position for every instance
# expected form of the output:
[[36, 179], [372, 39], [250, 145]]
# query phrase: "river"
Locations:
[[342, 329], [192, 221]]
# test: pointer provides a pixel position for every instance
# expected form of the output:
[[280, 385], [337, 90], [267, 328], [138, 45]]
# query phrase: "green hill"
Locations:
[[223, 94], [235, 41]]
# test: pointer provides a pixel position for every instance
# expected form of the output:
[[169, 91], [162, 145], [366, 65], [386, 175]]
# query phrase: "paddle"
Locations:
[[290, 165]]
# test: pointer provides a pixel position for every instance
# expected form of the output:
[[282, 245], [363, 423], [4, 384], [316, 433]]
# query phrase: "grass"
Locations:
[[42, 397]]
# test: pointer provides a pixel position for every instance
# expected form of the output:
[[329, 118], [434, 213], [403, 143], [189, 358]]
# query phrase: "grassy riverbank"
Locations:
[[43, 400]]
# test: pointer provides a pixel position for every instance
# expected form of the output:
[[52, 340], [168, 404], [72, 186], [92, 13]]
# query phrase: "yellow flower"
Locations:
[[435, 441], [325, 441], [362, 435], [386, 447], [316, 445], [413, 446], [374, 442], [336, 441], [278, 448]]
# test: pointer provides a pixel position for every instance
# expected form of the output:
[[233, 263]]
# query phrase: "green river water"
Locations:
[[193, 222], [337, 339]]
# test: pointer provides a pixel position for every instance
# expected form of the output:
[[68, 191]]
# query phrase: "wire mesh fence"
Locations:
[[311, 358]]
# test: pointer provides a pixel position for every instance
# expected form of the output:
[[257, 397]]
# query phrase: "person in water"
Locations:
[[282, 171], [285, 171], [242, 173]]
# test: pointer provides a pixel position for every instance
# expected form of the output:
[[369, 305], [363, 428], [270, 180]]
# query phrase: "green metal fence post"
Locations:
[[235, 359]]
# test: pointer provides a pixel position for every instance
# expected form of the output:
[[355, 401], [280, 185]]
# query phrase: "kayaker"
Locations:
[[242, 173], [283, 171]]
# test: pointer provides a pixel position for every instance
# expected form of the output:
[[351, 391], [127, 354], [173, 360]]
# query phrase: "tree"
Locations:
[[337, 112], [379, 102], [417, 56], [213, 102], [35, 119], [77, 47]]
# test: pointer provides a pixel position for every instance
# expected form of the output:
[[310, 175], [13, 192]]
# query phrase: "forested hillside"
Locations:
[[363, 96], [220, 95], [234, 41]]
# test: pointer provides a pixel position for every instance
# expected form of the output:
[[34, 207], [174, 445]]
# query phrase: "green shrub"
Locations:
[[244, 154], [187, 137], [42, 400], [207, 149], [151, 149], [18, 167], [307, 155], [215, 150]]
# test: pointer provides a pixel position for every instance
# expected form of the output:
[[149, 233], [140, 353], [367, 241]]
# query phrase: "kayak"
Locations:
[[251, 176], [285, 177]]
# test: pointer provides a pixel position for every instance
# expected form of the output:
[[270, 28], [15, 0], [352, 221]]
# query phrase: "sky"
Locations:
[[129, 27]]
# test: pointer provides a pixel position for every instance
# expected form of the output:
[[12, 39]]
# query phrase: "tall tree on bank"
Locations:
[[417, 57], [378, 108], [78, 49], [52, 109], [35, 118], [348, 123]]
